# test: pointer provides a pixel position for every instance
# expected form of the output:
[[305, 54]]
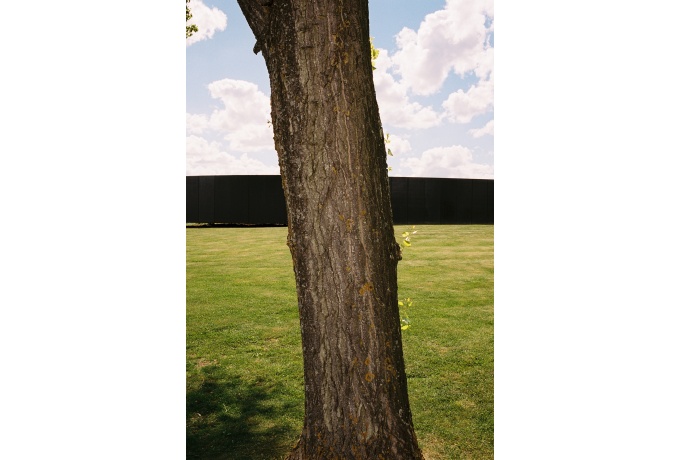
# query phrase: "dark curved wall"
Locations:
[[258, 200]]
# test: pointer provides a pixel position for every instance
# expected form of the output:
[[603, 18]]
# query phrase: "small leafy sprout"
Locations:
[[389, 151], [406, 242], [407, 303], [374, 54], [405, 321]]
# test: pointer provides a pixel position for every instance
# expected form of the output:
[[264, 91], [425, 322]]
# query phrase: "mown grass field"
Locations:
[[245, 398]]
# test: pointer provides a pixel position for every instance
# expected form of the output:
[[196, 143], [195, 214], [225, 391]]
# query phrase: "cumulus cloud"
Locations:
[[196, 124], [454, 38], [395, 107], [209, 158], [398, 145], [454, 162], [486, 129], [461, 106], [242, 120], [208, 20]]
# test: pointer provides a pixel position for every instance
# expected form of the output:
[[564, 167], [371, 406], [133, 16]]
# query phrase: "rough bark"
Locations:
[[332, 158]]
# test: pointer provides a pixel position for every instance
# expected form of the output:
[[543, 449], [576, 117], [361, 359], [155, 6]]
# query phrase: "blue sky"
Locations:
[[434, 82]]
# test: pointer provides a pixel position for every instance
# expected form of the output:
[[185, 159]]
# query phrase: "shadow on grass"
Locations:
[[234, 419]]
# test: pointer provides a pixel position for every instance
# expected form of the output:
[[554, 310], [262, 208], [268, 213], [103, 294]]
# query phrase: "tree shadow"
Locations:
[[236, 419]]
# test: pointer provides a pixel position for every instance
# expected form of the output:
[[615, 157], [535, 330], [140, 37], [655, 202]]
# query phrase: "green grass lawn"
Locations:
[[245, 398]]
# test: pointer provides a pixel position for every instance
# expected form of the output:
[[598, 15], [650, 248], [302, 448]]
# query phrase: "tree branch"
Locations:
[[256, 13]]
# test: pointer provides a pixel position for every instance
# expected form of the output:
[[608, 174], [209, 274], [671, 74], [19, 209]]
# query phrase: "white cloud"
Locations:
[[196, 124], [242, 120], [398, 145], [454, 38], [393, 100], [208, 158], [242, 100], [208, 20], [484, 66], [251, 138], [484, 130], [455, 162], [462, 106]]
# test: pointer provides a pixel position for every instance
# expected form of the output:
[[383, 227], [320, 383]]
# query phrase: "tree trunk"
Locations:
[[332, 158]]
